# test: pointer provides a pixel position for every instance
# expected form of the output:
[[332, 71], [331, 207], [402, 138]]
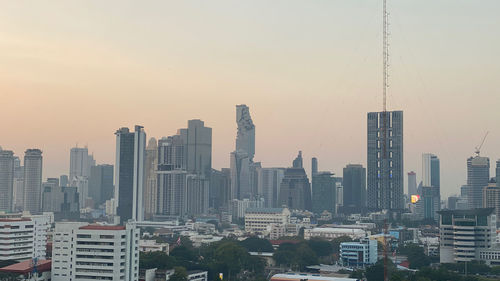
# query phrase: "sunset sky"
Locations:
[[72, 72]]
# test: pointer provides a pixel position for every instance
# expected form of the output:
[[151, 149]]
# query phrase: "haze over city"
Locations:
[[308, 71]]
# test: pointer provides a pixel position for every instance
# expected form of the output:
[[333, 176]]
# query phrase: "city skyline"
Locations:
[[447, 109]]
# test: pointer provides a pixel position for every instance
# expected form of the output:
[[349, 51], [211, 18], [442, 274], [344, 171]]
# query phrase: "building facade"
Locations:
[[324, 193], [89, 252], [491, 198], [6, 180], [101, 187], [258, 219], [32, 180], [354, 188], [385, 161], [359, 254], [478, 176], [129, 173], [269, 185], [412, 183], [464, 233], [150, 184]]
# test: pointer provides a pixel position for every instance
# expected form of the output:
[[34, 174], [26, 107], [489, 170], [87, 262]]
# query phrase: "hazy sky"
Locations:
[[75, 71]]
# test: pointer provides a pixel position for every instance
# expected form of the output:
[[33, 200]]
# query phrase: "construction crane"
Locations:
[[478, 148]]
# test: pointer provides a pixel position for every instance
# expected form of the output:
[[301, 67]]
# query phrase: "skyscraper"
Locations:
[[478, 176], [32, 180], [430, 170], [129, 173], [412, 183], [241, 160], [101, 186], [497, 173], [245, 138], [314, 166], [184, 168], [324, 193], [385, 161], [295, 189], [220, 185], [80, 162], [354, 188], [198, 143], [269, 185], [150, 188], [6, 180]]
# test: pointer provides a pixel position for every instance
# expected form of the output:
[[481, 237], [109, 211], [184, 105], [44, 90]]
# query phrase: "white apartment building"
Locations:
[[23, 237], [84, 251], [465, 233], [330, 233], [257, 219]]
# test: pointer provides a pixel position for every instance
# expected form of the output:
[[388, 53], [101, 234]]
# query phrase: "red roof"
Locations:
[[14, 219], [26, 266], [103, 227]]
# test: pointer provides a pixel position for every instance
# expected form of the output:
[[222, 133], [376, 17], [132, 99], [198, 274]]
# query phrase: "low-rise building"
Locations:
[[257, 219], [330, 233], [83, 251], [153, 246], [28, 271], [358, 254]]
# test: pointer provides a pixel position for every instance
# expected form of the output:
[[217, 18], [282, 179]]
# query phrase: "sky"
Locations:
[[73, 72]]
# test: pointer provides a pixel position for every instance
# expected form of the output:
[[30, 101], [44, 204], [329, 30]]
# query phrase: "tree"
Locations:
[[255, 244], [158, 260], [321, 247], [180, 274], [376, 271], [296, 256], [336, 242], [416, 256]]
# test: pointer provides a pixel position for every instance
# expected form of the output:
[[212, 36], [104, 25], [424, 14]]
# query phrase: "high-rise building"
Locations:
[[295, 189], [32, 180], [478, 176], [129, 173], [80, 162], [324, 193], [63, 180], [198, 142], [497, 173], [385, 161], [171, 173], [430, 170], [101, 186], [269, 185], [491, 198], [18, 185], [82, 186], [354, 188], [184, 169], [412, 183], [150, 188], [241, 161], [6, 180], [314, 166], [63, 201], [245, 139], [429, 203], [84, 251], [220, 185]]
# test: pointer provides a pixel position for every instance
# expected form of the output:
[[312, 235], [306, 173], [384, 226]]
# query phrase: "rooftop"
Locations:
[[265, 210], [27, 267], [102, 227], [477, 212]]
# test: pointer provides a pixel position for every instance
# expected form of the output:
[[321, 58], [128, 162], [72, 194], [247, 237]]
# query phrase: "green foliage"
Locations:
[[296, 256], [255, 244], [376, 271], [473, 267], [321, 247], [4, 276], [416, 256], [158, 260], [180, 274]]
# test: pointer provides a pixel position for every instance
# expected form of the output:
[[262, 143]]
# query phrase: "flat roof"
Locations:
[[310, 277], [26, 266], [478, 211], [102, 227], [14, 219]]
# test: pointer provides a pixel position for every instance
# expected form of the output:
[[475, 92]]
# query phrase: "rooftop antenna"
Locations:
[[478, 148]]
